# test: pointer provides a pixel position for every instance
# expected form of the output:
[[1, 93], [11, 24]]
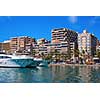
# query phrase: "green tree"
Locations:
[[48, 57], [98, 53], [42, 55], [56, 55], [33, 52], [83, 52], [76, 52]]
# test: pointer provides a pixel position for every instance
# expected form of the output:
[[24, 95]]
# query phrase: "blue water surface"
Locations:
[[58, 74]]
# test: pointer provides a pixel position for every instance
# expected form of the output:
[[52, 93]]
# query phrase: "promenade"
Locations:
[[76, 65]]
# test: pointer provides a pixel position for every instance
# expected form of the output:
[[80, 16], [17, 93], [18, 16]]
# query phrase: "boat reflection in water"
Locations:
[[68, 74], [79, 74]]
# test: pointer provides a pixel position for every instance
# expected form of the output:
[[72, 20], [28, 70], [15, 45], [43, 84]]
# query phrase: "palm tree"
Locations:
[[84, 55], [98, 53], [48, 57], [33, 52], [42, 55], [76, 52], [56, 55]]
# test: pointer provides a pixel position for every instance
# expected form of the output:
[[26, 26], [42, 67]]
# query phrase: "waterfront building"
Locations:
[[14, 44], [64, 40], [41, 47], [41, 41], [21, 44], [5, 46], [64, 34], [98, 46], [87, 43], [60, 47]]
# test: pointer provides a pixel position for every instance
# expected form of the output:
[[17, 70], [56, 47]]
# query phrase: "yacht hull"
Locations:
[[16, 62]]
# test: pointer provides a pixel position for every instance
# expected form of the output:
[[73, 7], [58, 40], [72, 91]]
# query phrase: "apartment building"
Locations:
[[64, 40], [87, 43], [64, 34], [21, 44], [5, 46]]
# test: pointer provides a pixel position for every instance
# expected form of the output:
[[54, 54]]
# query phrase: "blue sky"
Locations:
[[41, 26]]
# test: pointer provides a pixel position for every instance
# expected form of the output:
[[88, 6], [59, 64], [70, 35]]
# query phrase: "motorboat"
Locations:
[[43, 64], [40, 62], [15, 60]]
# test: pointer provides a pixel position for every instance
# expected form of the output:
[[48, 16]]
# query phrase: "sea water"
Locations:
[[55, 74]]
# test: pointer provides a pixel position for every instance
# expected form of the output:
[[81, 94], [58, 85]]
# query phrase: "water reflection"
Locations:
[[95, 75], [67, 74], [76, 74]]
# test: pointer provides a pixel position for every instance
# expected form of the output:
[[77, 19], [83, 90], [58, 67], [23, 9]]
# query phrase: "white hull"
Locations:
[[9, 66], [16, 61]]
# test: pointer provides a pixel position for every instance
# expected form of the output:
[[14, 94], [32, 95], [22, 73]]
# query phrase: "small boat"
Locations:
[[15, 60], [43, 64], [40, 62]]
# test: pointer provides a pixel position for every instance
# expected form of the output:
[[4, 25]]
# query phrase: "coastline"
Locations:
[[76, 65]]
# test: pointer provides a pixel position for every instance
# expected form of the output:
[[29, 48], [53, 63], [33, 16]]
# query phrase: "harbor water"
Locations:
[[58, 74]]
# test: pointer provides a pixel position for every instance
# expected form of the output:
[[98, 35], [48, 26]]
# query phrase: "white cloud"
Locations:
[[73, 19]]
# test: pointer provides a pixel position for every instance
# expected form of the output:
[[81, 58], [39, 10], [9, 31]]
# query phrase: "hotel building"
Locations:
[[63, 34], [42, 46], [64, 41], [21, 44], [98, 46], [5, 46], [87, 42]]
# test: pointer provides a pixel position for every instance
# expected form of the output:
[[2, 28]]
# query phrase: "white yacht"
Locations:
[[15, 60]]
